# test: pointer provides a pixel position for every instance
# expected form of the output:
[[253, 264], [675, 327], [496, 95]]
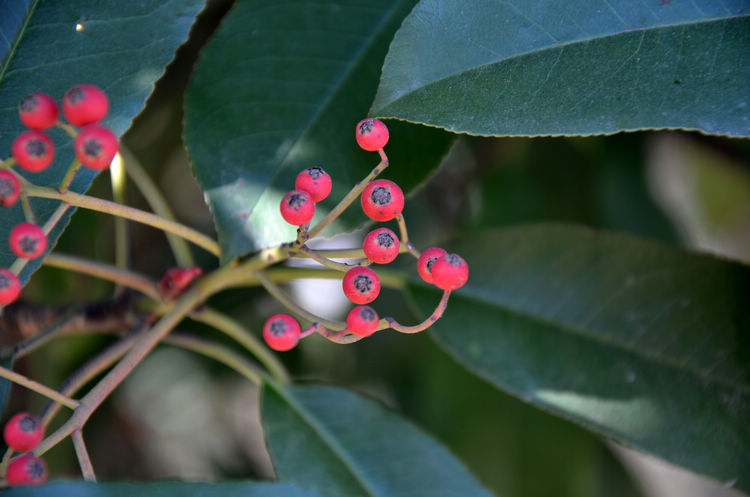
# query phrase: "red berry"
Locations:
[[26, 469], [84, 104], [33, 150], [10, 287], [175, 280], [450, 272], [297, 207], [371, 134], [27, 240], [362, 320], [426, 260], [314, 181], [381, 245], [95, 146], [281, 332], [38, 111], [23, 432], [361, 285], [10, 188], [382, 200]]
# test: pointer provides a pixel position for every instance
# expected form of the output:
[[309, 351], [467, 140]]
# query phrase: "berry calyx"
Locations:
[[371, 134], [381, 246], [33, 151], [175, 280], [10, 287], [38, 111], [297, 207], [10, 188], [450, 272], [27, 240], [382, 200], [281, 332], [426, 261], [361, 285], [23, 432], [362, 320], [27, 470], [85, 104], [95, 146], [315, 181]]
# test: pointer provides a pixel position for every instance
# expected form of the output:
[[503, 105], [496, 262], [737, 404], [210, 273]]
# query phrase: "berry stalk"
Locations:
[[84, 461], [38, 388]]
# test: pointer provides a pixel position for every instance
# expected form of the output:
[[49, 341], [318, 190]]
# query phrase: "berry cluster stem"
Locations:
[[38, 388], [84, 461], [405, 236], [437, 314]]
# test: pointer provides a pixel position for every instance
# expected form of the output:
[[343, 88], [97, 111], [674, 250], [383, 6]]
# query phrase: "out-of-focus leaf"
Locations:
[[569, 68], [299, 77], [333, 441], [639, 342]]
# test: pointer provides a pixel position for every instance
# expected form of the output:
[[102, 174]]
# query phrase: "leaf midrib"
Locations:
[[580, 332], [17, 40], [545, 48]]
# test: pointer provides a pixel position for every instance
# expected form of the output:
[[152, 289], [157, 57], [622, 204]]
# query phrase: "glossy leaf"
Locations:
[[576, 67], [162, 489], [333, 441], [639, 342], [122, 47], [299, 77]]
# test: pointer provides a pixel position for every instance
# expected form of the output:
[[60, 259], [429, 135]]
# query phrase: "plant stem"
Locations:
[[239, 333], [87, 470], [119, 186], [437, 314], [337, 266], [348, 198], [140, 216], [69, 176], [28, 212], [218, 352], [38, 388], [157, 202], [287, 302], [104, 271], [405, 236]]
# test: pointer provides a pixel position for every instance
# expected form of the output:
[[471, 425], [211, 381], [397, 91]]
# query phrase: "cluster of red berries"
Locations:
[[95, 147], [311, 186], [22, 433], [382, 200]]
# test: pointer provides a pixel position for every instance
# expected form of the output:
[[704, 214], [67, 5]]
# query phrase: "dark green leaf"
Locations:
[[5, 385], [299, 76], [162, 489], [576, 67], [123, 48], [336, 442], [639, 342]]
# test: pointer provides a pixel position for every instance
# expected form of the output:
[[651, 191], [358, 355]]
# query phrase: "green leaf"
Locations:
[[5, 384], [636, 341], [122, 48], [162, 489], [336, 442], [576, 67], [296, 77]]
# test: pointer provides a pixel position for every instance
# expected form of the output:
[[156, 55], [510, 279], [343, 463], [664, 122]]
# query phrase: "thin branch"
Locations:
[[218, 352], [437, 314], [87, 470], [38, 388]]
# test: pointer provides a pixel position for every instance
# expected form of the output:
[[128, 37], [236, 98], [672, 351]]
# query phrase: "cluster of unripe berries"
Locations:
[[22, 433], [33, 151], [382, 200]]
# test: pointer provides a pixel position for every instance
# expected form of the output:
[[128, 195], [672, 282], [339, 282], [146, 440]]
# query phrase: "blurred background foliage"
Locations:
[[180, 416]]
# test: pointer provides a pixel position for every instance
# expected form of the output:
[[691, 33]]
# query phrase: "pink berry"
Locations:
[[23, 432], [33, 151], [85, 104], [10, 287], [371, 134], [27, 240], [362, 320], [10, 188], [426, 260], [26, 470], [38, 111], [297, 207], [175, 280], [382, 200], [95, 146], [381, 246], [314, 181], [281, 332], [450, 272], [361, 285]]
